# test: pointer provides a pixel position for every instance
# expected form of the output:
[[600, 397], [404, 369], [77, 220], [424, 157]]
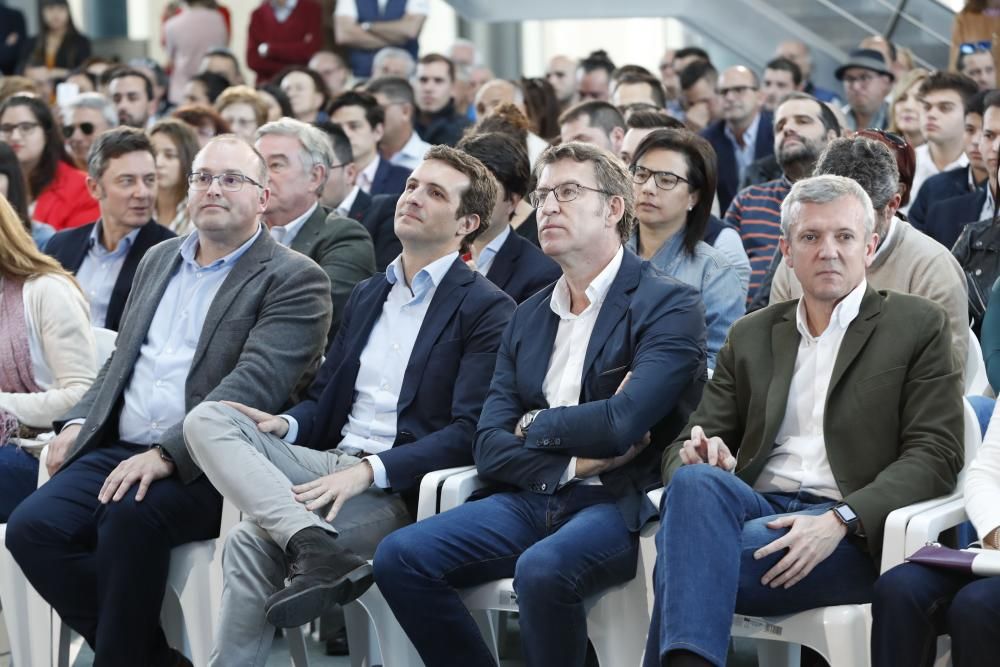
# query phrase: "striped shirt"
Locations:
[[756, 212]]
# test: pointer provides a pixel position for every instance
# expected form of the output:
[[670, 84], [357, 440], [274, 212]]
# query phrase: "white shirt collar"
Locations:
[[843, 313], [367, 177], [293, 227], [596, 290], [414, 148], [888, 237], [489, 253], [344, 209], [282, 13]]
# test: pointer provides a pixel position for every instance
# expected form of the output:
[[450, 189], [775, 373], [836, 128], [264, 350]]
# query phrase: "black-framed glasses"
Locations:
[[86, 128], [968, 48], [664, 180], [739, 90], [563, 193], [230, 181], [8, 129]]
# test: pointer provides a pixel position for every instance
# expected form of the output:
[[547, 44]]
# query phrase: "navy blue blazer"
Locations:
[[379, 220], [390, 179], [945, 219], [729, 177], [948, 184], [70, 248], [651, 325], [520, 269], [360, 206], [444, 385]]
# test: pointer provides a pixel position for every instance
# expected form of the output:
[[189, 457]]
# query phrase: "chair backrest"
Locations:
[[976, 380], [973, 439], [105, 339]]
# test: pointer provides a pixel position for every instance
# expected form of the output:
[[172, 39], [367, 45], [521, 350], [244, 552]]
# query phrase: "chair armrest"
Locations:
[[927, 526], [897, 525], [457, 488], [430, 485]]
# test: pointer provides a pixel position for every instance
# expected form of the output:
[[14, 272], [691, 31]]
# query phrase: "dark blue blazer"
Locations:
[[390, 179], [445, 381], [379, 219], [948, 184], [70, 248], [520, 269], [651, 325], [729, 177], [360, 206], [945, 219]]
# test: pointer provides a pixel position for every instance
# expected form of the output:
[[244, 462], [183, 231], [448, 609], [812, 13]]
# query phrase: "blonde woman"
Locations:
[[47, 352], [244, 109], [905, 110]]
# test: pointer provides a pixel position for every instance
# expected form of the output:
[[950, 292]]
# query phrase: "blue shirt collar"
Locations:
[[426, 278], [123, 246], [189, 250]]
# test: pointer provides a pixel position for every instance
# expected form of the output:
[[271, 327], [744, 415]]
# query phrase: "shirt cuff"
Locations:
[[381, 477], [75, 422], [293, 429], [569, 474]]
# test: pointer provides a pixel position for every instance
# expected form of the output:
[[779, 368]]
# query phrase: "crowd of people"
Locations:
[[371, 264]]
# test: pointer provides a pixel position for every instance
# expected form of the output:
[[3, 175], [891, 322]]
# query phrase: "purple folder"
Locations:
[[980, 562]]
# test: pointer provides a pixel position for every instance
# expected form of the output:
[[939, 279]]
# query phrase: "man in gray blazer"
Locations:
[[299, 159], [223, 314]]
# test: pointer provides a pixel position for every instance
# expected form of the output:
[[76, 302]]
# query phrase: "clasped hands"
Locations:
[[810, 539]]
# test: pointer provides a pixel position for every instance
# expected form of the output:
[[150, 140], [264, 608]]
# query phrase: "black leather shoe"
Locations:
[[321, 574]]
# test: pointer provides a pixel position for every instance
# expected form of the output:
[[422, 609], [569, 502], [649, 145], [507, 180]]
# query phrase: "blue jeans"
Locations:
[[18, 478], [983, 405], [711, 524], [559, 549], [913, 604]]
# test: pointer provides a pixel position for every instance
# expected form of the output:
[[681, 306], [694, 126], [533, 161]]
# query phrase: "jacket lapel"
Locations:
[[857, 334], [77, 250], [306, 238], [503, 264], [143, 305], [615, 304], [784, 349]]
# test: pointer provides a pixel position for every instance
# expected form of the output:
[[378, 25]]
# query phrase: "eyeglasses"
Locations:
[[563, 193], [232, 182], [968, 48], [24, 128], [86, 128], [863, 79], [739, 90], [664, 180]]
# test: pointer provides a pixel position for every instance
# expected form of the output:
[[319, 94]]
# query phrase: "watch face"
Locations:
[[846, 513]]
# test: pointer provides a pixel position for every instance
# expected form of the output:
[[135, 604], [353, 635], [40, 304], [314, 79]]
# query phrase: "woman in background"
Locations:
[[175, 145], [58, 48], [905, 109], [13, 187]]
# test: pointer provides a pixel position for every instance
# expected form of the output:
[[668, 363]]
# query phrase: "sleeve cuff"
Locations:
[[569, 474], [72, 422], [381, 477], [293, 429]]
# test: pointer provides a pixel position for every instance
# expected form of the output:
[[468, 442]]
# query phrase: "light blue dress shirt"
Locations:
[[99, 271], [485, 260], [713, 274], [745, 153], [154, 397]]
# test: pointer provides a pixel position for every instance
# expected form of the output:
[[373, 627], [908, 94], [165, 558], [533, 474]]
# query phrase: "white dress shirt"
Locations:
[[744, 154], [988, 206], [798, 460], [564, 377], [282, 13], [486, 256], [412, 153], [285, 234], [925, 168], [345, 206], [367, 177], [99, 271]]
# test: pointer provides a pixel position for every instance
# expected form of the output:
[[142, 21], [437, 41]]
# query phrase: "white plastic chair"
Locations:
[[976, 381]]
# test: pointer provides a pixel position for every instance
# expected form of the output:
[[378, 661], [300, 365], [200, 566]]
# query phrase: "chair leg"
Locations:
[[295, 638], [396, 648], [778, 654], [362, 640]]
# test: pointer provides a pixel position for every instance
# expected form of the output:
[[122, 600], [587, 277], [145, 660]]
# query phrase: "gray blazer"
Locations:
[[265, 329], [343, 249]]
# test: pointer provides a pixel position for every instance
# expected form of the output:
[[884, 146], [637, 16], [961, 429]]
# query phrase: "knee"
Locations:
[[695, 482], [22, 525], [398, 556], [539, 574], [894, 591], [202, 417], [975, 610]]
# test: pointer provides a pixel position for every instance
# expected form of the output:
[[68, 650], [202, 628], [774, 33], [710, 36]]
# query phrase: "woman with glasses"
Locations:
[[674, 177], [57, 190], [244, 109], [47, 352], [174, 145], [905, 109]]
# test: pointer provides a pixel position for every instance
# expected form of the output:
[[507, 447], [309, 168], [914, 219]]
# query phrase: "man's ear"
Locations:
[[468, 224], [94, 188], [786, 251]]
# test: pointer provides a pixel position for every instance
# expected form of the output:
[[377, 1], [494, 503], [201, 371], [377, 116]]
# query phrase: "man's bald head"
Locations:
[[738, 89]]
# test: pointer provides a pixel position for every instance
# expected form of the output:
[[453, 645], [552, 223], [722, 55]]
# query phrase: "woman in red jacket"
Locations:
[[58, 191]]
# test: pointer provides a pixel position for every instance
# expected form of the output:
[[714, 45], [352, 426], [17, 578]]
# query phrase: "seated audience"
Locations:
[[306, 92], [437, 120], [797, 51], [331, 66], [223, 61], [105, 255], [702, 104], [83, 119], [355, 451], [593, 122], [282, 34], [905, 260], [358, 113], [782, 77], [593, 77], [638, 89], [510, 261], [131, 91], [244, 109], [223, 314], [161, 83], [400, 144], [541, 107], [975, 61], [905, 107], [772, 512], [47, 358], [15, 189], [203, 120], [58, 48], [673, 177], [561, 75], [391, 61], [298, 158], [57, 189], [277, 102], [867, 81], [557, 414], [340, 194], [204, 88], [174, 146]]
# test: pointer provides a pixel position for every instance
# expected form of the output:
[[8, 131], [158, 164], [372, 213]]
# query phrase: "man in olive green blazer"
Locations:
[[823, 416]]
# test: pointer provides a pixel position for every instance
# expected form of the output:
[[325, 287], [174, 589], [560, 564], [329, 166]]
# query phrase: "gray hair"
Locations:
[[97, 102], [868, 162], [823, 190], [391, 52], [316, 147]]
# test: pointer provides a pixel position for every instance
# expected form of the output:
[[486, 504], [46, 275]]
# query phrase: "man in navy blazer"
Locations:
[[379, 219], [358, 113], [947, 218], [588, 370], [510, 261], [105, 254], [398, 396], [743, 135]]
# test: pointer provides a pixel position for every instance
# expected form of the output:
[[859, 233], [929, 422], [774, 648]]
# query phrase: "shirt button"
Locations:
[[159, 383], [155, 424], [395, 346]]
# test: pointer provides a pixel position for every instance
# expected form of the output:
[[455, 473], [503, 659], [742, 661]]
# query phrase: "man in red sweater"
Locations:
[[283, 33]]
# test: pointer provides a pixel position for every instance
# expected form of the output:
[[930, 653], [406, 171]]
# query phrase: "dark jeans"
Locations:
[[559, 548], [913, 604], [711, 523], [104, 567], [18, 478]]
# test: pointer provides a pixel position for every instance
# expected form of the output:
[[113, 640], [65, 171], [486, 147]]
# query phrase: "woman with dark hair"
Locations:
[[58, 48], [175, 145], [14, 188], [204, 88], [674, 177], [542, 107], [307, 93], [57, 190], [278, 104], [205, 121]]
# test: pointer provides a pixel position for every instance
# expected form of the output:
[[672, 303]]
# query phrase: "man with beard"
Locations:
[[802, 128], [132, 94]]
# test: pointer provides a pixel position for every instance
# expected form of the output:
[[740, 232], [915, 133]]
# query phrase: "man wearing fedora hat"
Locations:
[[867, 81]]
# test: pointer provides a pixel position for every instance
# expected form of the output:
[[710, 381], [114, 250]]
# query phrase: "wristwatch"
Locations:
[[846, 516], [366, 26], [164, 454], [527, 420]]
